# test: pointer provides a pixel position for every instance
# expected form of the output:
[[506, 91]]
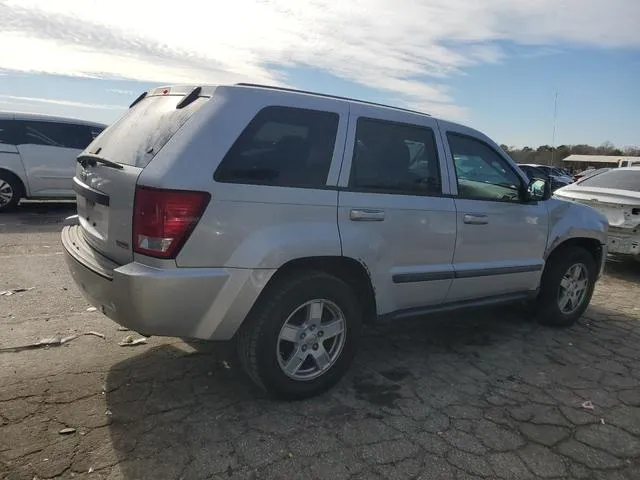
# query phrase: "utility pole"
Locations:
[[553, 137]]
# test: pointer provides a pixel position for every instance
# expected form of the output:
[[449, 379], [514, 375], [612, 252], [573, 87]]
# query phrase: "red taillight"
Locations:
[[164, 219]]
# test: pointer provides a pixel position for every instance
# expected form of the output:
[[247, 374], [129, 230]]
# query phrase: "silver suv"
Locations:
[[288, 221]]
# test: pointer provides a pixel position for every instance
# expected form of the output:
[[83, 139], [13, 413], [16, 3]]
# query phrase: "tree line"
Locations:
[[547, 155]]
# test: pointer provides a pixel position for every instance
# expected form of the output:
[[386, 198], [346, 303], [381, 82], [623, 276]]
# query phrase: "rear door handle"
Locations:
[[476, 219], [366, 215]]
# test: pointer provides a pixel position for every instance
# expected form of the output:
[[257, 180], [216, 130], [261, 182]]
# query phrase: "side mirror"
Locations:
[[539, 189]]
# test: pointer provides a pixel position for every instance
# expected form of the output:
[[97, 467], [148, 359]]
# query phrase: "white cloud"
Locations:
[[406, 48], [120, 91], [541, 52], [11, 99]]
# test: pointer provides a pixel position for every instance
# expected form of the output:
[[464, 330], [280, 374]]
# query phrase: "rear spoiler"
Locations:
[[189, 92], [142, 95]]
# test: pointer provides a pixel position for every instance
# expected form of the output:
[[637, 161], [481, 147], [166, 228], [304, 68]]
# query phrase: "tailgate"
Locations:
[[108, 169], [105, 208]]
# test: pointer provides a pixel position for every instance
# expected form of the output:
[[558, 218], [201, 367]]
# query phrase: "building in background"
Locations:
[[577, 163]]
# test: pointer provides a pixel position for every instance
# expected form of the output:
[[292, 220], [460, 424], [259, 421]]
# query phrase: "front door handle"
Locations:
[[366, 215], [476, 219]]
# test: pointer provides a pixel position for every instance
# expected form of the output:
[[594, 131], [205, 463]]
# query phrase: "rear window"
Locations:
[[142, 132], [619, 179], [282, 146]]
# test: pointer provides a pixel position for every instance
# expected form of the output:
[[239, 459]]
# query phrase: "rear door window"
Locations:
[[282, 146], [395, 158], [7, 132], [54, 134]]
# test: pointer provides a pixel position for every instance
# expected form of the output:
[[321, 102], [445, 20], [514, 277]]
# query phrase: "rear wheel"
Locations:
[[10, 192], [567, 287], [302, 336]]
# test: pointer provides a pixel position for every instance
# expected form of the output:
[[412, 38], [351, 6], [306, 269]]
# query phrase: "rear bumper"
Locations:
[[204, 303]]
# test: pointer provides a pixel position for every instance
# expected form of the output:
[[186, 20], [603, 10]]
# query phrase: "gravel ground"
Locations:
[[481, 395]]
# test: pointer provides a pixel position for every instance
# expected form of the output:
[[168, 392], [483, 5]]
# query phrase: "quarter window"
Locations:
[[481, 172], [282, 146], [395, 158]]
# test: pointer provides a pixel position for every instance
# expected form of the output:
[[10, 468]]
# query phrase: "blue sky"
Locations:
[[494, 66]]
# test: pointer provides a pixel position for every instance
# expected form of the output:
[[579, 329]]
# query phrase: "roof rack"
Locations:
[[284, 89]]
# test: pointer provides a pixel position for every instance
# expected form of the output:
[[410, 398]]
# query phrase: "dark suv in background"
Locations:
[[535, 171]]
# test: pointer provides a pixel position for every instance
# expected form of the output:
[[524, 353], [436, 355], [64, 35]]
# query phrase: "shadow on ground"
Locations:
[[623, 269], [34, 216], [177, 414]]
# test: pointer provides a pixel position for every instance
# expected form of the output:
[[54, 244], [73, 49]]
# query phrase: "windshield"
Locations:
[[140, 134], [618, 179]]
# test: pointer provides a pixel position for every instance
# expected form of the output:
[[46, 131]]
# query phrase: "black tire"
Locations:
[[548, 311], [258, 336], [15, 187]]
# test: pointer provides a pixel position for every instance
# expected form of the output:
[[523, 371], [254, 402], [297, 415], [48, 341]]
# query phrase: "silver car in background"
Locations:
[[616, 194], [288, 221], [38, 155]]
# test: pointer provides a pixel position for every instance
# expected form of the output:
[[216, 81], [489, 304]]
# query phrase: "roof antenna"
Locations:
[[553, 136]]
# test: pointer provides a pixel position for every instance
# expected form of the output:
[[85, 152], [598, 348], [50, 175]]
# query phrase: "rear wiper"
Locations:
[[93, 159]]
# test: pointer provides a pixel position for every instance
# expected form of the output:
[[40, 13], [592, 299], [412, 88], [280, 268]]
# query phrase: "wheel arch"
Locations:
[[17, 177], [349, 270], [18, 186], [591, 245]]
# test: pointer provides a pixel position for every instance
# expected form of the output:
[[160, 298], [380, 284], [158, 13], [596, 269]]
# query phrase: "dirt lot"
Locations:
[[481, 395]]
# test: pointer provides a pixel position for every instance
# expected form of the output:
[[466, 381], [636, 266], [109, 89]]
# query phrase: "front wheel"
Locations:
[[302, 336], [567, 287]]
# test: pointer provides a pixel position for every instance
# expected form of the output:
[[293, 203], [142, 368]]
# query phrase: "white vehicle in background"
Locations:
[[38, 155], [616, 194]]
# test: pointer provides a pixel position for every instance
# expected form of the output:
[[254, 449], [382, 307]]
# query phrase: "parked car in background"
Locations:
[[38, 155], [615, 193], [557, 175], [535, 172], [590, 172], [286, 220]]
